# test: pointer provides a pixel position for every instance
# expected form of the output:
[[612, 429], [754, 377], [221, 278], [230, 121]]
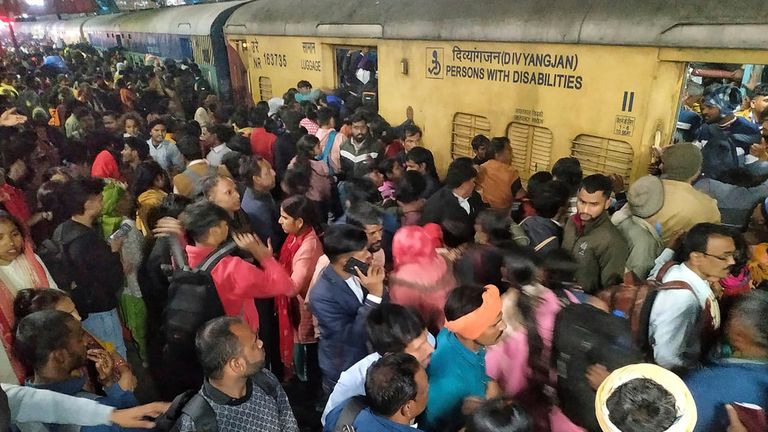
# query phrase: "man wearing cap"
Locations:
[[683, 206], [718, 109], [644, 199], [456, 373]]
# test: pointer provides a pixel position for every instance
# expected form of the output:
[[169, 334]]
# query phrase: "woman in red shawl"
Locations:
[[19, 268], [298, 256]]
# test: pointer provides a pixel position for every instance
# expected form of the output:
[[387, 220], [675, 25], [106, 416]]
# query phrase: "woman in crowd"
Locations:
[[320, 183], [421, 278], [299, 255], [19, 268], [150, 187]]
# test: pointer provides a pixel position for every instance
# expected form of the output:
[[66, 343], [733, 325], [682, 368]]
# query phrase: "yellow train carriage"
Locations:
[[597, 80]]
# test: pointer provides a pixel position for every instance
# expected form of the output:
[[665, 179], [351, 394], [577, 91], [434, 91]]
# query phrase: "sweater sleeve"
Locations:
[[250, 281], [303, 267], [29, 404]]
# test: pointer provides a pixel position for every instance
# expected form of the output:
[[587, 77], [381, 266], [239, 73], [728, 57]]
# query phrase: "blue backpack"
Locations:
[[326, 155]]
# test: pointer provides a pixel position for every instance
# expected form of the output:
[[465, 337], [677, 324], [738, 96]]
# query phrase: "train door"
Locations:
[[357, 71], [119, 40], [241, 90], [185, 45]]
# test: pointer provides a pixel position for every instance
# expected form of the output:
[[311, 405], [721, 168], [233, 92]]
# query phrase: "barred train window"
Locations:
[[531, 148], [602, 155], [465, 127], [265, 88]]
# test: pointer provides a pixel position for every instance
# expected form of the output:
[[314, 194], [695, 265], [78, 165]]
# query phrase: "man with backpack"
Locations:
[[238, 393], [683, 321], [188, 182], [396, 389], [85, 265]]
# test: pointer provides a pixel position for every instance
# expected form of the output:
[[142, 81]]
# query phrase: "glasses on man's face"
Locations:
[[724, 257]]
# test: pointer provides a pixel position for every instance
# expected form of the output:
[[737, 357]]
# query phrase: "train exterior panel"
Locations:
[[600, 81]]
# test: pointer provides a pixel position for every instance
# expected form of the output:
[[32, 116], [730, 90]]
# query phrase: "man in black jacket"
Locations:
[[457, 201], [95, 265]]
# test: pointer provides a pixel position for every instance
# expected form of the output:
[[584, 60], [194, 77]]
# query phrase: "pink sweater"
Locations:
[[238, 282]]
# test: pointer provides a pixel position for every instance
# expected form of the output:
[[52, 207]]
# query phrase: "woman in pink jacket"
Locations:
[[299, 256], [421, 278]]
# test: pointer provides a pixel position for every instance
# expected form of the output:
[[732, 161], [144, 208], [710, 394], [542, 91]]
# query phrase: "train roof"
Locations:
[[701, 23], [186, 20]]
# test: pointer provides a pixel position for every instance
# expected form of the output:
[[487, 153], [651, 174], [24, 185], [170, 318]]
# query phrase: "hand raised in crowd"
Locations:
[[374, 280], [105, 365], [136, 417], [11, 118], [253, 244], [168, 226]]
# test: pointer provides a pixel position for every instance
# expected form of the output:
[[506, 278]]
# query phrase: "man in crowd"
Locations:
[[53, 344], [683, 205], [457, 200], [361, 150], [758, 104], [683, 321], [342, 298], [216, 138], [243, 395], [396, 389], [743, 377], [258, 202], [411, 137], [163, 151], [457, 370], [96, 269], [135, 151], [391, 328], [592, 239], [187, 182]]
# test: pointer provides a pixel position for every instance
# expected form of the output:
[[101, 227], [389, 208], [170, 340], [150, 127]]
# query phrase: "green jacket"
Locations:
[[644, 242], [600, 250]]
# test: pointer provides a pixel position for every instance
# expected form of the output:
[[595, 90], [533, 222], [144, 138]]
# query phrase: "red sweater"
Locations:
[[238, 282], [263, 144]]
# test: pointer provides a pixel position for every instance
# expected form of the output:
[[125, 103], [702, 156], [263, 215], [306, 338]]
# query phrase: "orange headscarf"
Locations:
[[473, 324], [758, 264]]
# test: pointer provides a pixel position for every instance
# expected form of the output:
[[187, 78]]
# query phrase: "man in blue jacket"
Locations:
[[742, 378], [53, 343], [396, 391], [341, 301]]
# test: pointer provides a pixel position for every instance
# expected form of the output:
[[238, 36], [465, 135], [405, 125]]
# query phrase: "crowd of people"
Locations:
[[152, 235]]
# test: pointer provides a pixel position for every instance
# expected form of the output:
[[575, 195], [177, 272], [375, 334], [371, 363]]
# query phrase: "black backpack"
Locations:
[[53, 253], [193, 404], [585, 335], [192, 301]]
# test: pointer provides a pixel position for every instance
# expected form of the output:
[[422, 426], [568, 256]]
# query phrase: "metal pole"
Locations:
[[13, 37]]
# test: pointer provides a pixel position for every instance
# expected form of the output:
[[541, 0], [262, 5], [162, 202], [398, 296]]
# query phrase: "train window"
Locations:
[[265, 88], [531, 147], [602, 155], [465, 127]]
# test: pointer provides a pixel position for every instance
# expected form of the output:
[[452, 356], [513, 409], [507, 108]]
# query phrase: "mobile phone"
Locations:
[[353, 263]]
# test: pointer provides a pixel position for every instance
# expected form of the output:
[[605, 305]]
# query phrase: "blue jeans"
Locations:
[[105, 326]]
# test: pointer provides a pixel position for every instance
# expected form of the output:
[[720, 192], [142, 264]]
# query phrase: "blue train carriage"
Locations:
[[598, 80], [182, 32]]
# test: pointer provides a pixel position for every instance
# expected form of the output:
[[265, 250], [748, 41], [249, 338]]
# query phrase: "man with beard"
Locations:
[[243, 395], [361, 150], [596, 244], [54, 345]]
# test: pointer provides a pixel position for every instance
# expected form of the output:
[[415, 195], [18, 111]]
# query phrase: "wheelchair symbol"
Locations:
[[434, 62]]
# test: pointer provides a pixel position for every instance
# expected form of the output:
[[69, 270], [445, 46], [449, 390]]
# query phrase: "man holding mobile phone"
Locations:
[[346, 291]]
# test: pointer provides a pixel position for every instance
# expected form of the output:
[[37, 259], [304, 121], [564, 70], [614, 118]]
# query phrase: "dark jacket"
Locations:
[[600, 250], [341, 318], [97, 272], [443, 205], [545, 235], [263, 213], [355, 162]]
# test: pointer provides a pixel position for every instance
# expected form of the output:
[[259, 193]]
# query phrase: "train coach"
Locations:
[[598, 80], [183, 32]]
